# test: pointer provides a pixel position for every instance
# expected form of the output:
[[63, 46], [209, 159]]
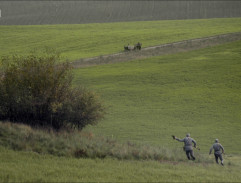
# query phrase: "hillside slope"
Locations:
[[151, 99], [74, 42]]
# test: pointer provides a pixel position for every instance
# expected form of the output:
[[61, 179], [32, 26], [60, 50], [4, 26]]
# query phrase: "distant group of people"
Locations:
[[188, 148], [129, 47]]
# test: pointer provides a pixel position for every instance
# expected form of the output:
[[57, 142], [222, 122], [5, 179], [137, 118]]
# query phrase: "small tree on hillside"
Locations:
[[38, 91]]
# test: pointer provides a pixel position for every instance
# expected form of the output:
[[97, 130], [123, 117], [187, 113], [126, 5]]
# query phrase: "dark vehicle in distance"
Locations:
[[137, 46]]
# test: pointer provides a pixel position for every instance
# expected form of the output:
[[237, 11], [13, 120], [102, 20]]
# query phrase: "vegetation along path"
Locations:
[[168, 48]]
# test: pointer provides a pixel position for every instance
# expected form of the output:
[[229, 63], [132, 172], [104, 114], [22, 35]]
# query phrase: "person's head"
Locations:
[[216, 141], [188, 135]]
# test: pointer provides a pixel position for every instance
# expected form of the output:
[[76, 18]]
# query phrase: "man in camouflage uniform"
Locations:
[[188, 145], [218, 150]]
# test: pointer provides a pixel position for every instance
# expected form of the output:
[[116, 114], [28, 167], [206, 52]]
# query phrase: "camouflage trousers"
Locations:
[[218, 156], [190, 153]]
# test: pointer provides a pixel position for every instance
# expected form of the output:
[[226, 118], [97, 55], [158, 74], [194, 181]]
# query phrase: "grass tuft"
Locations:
[[78, 144]]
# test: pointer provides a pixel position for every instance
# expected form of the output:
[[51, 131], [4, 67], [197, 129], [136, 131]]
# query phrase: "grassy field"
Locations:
[[88, 40], [151, 99], [31, 167], [148, 100]]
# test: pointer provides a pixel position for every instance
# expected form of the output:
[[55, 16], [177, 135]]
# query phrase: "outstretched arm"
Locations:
[[175, 138], [180, 140]]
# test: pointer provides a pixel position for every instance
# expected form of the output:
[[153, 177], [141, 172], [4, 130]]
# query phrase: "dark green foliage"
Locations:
[[80, 108], [37, 91]]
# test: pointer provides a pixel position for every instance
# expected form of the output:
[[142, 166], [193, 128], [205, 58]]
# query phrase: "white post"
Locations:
[[0, 13]]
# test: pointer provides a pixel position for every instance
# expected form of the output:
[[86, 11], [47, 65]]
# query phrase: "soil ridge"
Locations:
[[168, 48]]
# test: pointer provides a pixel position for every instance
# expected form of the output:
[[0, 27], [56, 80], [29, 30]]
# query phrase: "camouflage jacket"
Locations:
[[218, 148], [187, 143]]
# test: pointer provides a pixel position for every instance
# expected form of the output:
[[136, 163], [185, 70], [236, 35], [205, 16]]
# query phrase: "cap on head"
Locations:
[[188, 135], [216, 140]]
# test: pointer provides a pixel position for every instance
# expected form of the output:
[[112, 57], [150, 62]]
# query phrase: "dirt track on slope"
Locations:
[[169, 48]]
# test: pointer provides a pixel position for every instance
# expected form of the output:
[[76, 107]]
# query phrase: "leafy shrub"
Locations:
[[80, 105], [37, 90]]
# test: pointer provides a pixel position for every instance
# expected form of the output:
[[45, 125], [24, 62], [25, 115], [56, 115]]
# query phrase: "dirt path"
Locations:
[[168, 48]]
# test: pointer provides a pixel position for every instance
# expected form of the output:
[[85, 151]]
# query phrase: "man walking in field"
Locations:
[[188, 145], [218, 151]]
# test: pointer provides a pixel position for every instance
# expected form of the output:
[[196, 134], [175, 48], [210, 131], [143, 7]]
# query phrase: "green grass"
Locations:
[[151, 99], [32, 167], [148, 100], [73, 143], [88, 40]]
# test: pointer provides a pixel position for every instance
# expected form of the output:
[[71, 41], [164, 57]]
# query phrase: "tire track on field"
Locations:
[[168, 48]]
